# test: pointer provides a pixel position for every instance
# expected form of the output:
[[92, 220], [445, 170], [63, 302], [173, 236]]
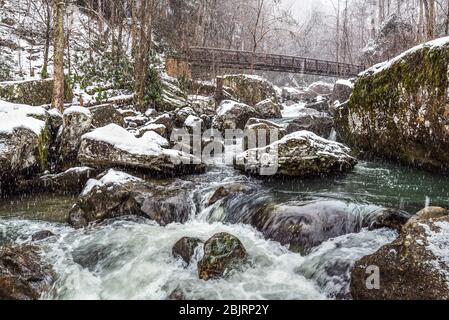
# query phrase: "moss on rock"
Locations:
[[402, 112]]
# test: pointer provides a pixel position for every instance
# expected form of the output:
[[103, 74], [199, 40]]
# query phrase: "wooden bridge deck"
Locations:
[[232, 59]]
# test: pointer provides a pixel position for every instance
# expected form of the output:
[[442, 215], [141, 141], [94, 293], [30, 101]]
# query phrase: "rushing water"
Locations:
[[131, 258]]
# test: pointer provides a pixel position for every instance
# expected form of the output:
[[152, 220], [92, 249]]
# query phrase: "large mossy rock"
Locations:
[[223, 253], [23, 276], [250, 89], [414, 267], [32, 92], [300, 154], [24, 143], [116, 194], [399, 109]]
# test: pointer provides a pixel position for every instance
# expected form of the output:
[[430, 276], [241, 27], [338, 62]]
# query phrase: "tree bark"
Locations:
[[58, 55]]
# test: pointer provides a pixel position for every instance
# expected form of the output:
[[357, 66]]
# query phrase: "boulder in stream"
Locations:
[[250, 89], [223, 253], [413, 267], [185, 248], [233, 115], [398, 109], [23, 276], [300, 154], [116, 194], [114, 146]]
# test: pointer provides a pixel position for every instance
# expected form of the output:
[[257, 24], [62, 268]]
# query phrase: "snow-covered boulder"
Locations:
[[399, 110], [257, 128], [321, 88], [114, 146], [233, 115], [342, 91], [413, 267], [312, 120], [250, 89], [166, 120], [115, 194], [160, 129], [24, 142], [300, 154], [31, 92], [268, 109], [182, 114], [76, 122], [105, 114], [202, 105], [154, 137], [298, 94]]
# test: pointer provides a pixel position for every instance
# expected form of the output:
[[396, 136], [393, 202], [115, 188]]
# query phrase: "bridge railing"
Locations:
[[270, 62]]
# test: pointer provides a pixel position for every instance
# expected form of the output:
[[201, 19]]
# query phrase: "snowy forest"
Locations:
[[224, 150]]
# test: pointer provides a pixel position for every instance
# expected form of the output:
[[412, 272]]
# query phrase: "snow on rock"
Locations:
[[299, 154], [250, 89], [413, 267], [115, 194], [114, 146], [293, 111], [24, 141], [76, 122], [156, 138], [111, 177], [321, 88], [233, 115], [77, 109]]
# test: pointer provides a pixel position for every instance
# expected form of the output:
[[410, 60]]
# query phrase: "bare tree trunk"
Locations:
[[58, 54], [44, 71]]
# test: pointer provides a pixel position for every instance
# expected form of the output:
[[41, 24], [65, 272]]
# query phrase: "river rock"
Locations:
[[32, 92], [76, 122], [262, 134], [298, 95], [314, 121], [114, 146], [321, 88], [249, 89], [71, 181], [321, 105], [23, 276], [300, 154], [398, 109], [268, 109], [227, 190], [105, 114], [42, 235], [223, 253], [233, 115], [185, 248], [342, 91], [116, 194], [413, 267]]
